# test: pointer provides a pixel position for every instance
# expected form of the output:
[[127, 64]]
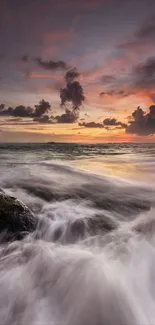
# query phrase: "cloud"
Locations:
[[22, 111], [71, 75], [148, 69], [70, 116], [144, 74], [43, 119], [119, 93], [107, 124], [147, 31], [52, 65], [144, 35], [73, 92], [91, 125], [19, 111], [72, 98], [142, 123], [114, 122], [42, 108]]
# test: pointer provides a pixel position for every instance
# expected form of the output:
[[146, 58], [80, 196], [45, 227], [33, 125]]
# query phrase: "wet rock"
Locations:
[[16, 220], [89, 226]]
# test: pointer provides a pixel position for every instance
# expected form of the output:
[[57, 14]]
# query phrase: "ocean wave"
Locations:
[[91, 259]]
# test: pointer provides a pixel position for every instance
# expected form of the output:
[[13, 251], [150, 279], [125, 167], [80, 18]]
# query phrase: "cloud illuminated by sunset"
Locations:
[[110, 42]]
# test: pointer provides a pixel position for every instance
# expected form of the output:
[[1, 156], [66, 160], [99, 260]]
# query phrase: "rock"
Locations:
[[96, 225], [16, 220]]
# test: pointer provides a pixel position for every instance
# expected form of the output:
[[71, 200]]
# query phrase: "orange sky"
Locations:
[[110, 42]]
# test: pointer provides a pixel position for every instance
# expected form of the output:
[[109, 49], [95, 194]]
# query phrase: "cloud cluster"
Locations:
[[19, 111], [107, 124], [114, 122], [22, 111], [142, 124], [72, 95], [91, 125], [73, 92]]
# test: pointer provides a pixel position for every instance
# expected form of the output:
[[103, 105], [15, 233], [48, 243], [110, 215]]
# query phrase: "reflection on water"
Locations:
[[128, 166]]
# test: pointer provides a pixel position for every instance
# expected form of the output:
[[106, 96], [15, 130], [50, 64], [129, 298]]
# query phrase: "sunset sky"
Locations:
[[110, 43]]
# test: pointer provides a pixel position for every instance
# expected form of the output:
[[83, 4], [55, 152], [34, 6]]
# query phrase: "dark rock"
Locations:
[[16, 220]]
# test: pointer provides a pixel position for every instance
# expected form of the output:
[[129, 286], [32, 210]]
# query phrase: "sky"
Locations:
[[77, 71]]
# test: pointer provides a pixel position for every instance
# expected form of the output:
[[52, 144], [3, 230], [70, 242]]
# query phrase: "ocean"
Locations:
[[92, 258]]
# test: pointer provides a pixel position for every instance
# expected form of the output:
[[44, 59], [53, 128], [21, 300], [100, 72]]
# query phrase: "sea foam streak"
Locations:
[[92, 258]]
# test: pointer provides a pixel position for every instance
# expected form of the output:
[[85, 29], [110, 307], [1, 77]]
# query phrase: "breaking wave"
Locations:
[[91, 259]]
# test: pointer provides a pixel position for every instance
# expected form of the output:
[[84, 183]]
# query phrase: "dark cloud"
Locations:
[[70, 116], [110, 121], [120, 93], [107, 124], [22, 111], [114, 122], [42, 108], [73, 93], [144, 74], [19, 111], [147, 69], [52, 65], [142, 123], [91, 125], [71, 75]]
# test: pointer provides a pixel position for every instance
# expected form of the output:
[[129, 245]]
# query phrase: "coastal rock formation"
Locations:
[[16, 220]]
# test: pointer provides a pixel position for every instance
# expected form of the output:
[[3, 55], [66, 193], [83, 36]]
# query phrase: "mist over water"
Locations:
[[92, 258]]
